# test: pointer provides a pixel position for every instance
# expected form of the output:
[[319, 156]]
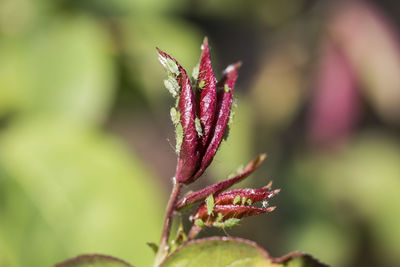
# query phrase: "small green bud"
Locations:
[[249, 202]]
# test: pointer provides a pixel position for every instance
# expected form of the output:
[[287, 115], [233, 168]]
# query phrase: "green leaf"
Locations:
[[237, 252], [67, 189], [218, 252], [94, 260], [65, 69]]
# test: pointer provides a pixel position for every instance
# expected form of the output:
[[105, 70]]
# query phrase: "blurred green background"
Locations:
[[86, 144]]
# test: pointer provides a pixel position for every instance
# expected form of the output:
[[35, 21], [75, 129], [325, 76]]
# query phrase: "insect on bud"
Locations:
[[233, 204], [204, 114]]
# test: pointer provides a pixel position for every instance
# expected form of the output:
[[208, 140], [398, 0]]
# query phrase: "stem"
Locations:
[[194, 231], [163, 247]]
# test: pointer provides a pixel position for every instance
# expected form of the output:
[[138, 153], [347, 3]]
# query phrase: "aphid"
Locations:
[[199, 222], [195, 72], [172, 66], [179, 137], [227, 223], [210, 204], [220, 217], [199, 130], [236, 200], [202, 83], [175, 115], [172, 86], [226, 88]]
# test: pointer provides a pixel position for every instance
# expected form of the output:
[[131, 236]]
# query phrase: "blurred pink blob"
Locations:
[[335, 103], [371, 45]]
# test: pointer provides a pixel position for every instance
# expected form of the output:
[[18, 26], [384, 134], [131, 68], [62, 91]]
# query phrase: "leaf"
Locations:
[[228, 251], [64, 69], [93, 260], [66, 189], [298, 259], [218, 252]]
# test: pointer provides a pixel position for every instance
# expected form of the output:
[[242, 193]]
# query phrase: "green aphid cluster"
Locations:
[[219, 221], [171, 83], [242, 201], [227, 223]]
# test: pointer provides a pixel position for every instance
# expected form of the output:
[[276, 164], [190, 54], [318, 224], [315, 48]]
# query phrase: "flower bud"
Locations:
[[200, 195], [204, 117], [233, 204]]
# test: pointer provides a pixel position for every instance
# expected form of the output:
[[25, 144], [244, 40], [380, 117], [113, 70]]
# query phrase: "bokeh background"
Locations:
[[86, 143]]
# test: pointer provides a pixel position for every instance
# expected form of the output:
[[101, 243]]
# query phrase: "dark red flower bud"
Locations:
[[202, 124], [206, 91], [234, 204], [221, 186], [224, 103], [188, 152]]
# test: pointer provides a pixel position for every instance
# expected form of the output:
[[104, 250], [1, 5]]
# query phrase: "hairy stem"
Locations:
[[163, 247]]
